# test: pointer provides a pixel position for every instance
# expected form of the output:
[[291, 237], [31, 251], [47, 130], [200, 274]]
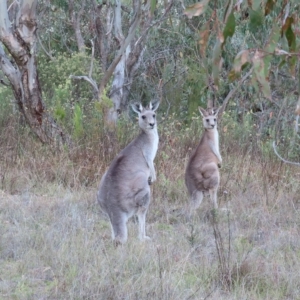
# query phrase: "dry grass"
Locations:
[[55, 243]]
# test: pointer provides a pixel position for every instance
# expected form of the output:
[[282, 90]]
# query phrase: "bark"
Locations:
[[75, 19], [21, 70], [109, 72], [125, 64], [116, 93], [103, 31]]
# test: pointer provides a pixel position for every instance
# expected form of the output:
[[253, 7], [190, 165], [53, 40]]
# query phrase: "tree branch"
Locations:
[[232, 92], [284, 160], [89, 80], [121, 51], [45, 50], [144, 34]]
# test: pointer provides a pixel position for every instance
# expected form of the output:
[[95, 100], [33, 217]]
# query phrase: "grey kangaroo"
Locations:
[[124, 189], [202, 172]]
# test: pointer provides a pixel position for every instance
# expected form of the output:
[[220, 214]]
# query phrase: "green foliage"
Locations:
[[270, 48], [62, 94], [256, 20], [6, 106], [106, 102], [60, 3], [153, 5], [229, 27], [78, 122], [59, 112], [259, 72], [55, 72]]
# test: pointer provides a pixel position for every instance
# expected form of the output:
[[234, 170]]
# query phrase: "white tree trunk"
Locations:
[[22, 73], [124, 66]]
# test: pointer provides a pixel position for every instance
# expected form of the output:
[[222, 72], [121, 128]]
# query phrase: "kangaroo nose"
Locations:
[[151, 124], [212, 125]]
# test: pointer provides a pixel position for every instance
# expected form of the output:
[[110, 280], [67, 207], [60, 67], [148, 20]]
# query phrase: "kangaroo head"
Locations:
[[209, 117], [147, 115]]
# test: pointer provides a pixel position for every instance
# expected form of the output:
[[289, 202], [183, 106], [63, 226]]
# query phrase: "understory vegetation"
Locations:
[[56, 243]]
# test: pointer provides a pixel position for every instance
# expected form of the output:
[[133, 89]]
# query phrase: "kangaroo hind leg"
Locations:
[[119, 227], [195, 200], [213, 197], [143, 204]]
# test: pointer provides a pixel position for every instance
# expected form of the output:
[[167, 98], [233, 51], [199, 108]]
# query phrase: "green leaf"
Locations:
[[270, 47], [229, 27], [292, 43], [59, 113], [256, 20], [254, 83], [292, 61], [228, 10], [240, 61], [256, 4], [216, 62], [259, 71], [78, 122], [196, 9], [153, 6], [289, 33]]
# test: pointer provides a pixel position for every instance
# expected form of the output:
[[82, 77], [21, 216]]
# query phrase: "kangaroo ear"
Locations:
[[137, 107], [202, 111], [154, 106], [216, 111]]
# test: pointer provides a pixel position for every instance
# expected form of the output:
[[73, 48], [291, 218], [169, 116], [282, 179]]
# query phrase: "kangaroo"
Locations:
[[202, 172], [125, 187]]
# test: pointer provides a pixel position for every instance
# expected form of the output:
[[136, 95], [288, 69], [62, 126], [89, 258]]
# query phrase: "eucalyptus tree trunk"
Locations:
[[20, 67], [75, 19], [123, 68]]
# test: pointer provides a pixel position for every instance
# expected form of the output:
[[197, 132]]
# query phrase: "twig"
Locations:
[[232, 92], [47, 52], [284, 160], [143, 35]]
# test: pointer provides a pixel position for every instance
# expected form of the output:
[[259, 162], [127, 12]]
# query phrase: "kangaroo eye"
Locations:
[[215, 119], [153, 116], [207, 120], [143, 117]]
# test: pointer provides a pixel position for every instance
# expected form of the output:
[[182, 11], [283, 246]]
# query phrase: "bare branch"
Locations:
[[45, 50], [144, 34], [284, 160], [88, 79]]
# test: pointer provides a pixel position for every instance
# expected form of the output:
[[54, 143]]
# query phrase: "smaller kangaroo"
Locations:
[[124, 189], [202, 172]]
